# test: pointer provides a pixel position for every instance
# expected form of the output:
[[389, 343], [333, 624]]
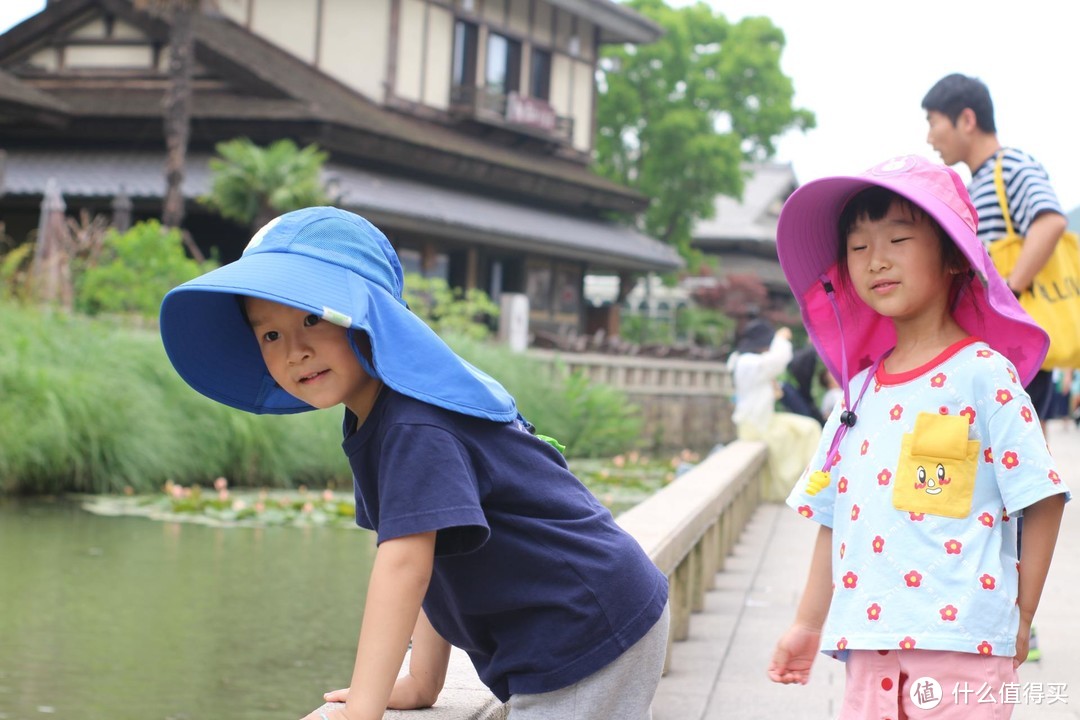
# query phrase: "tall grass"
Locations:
[[93, 405]]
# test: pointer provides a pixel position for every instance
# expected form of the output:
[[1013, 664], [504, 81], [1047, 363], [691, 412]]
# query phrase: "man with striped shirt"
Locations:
[[962, 130]]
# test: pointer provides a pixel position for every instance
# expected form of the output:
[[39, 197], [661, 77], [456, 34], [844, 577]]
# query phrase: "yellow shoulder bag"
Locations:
[[1053, 300]]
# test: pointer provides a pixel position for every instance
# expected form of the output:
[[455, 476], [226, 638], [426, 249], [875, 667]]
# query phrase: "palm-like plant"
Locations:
[[253, 184]]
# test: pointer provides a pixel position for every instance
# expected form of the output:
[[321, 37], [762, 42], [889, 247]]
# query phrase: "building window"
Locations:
[[503, 74], [540, 75], [465, 47]]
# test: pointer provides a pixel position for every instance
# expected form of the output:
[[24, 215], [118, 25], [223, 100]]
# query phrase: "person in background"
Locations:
[[760, 357], [960, 115], [798, 392], [833, 392]]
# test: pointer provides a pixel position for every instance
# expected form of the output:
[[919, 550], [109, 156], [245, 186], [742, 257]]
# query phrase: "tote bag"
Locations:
[[1053, 300]]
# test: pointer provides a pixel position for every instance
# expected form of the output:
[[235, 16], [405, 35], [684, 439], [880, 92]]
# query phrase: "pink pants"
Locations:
[[932, 684]]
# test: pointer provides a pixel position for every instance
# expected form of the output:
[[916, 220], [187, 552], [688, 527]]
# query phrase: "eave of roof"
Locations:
[[385, 199], [308, 95]]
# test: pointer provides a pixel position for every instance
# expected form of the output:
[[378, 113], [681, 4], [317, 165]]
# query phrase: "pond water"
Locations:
[[123, 617]]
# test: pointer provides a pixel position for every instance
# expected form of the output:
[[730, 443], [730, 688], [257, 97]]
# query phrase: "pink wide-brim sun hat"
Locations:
[[808, 242]]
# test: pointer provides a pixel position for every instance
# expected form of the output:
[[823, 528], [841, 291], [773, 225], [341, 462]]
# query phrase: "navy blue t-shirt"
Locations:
[[532, 577]]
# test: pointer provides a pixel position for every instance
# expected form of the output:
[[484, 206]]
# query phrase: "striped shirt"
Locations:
[[1027, 187]]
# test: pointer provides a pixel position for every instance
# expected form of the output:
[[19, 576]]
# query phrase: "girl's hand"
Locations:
[[1023, 638], [794, 654]]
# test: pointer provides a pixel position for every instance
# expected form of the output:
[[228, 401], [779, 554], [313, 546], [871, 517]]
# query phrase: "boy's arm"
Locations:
[[797, 648], [1041, 522], [428, 660], [399, 581]]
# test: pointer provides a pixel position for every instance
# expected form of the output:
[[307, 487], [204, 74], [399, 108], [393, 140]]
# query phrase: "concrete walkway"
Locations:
[[719, 672]]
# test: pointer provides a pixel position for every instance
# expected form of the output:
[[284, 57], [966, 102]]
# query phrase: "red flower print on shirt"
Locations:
[[917, 516], [865, 447], [879, 544], [877, 385], [884, 477], [985, 648], [987, 519], [1054, 477], [841, 487], [943, 410], [1003, 396], [938, 380], [988, 456], [1010, 460], [948, 613], [983, 353], [873, 612], [841, 644], [851, 580], [913, 578], [1012, 375], [1004, 516], [805, 511], [854, 512], [843, 550], [952, 547], [969, 413], [907, 643], [896, 412], [1025, 412], [988, 581]]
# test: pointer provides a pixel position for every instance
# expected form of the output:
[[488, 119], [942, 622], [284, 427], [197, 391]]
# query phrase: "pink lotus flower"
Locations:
[[220, 484]]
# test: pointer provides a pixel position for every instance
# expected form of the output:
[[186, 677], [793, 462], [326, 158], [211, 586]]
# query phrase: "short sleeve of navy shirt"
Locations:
[[532, 577]]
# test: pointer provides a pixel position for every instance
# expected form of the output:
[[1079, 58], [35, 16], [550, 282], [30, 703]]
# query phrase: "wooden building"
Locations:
[[462, 128]]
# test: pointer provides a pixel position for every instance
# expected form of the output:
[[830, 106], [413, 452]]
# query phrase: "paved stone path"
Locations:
[[719, 672]]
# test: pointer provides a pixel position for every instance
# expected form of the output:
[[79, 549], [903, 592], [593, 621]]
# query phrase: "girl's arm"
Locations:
[[1040, 530], [427, 669], [399, 581], [797, 648]]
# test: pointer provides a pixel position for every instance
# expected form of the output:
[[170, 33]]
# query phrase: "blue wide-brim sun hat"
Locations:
[[339, 266]]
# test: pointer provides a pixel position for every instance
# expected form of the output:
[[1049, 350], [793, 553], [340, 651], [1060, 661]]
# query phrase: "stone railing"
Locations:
[[688, 529], [684, 403]]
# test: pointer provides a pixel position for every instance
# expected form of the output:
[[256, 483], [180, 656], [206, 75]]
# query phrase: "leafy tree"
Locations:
[[253, 185], [678, 117], [134, 271]]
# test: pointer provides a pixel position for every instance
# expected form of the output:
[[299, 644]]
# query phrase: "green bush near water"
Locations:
[[93, 405]]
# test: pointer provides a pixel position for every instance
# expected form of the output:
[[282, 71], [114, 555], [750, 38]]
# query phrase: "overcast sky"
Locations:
[[863, 67]]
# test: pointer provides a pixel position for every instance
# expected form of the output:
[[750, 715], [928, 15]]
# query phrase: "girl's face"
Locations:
[[310, 358], [896, 265]]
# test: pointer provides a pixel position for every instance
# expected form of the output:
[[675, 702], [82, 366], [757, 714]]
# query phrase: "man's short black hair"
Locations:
[[953, 93]]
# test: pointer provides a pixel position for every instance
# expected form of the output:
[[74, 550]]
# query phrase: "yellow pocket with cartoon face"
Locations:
[[936, 471]]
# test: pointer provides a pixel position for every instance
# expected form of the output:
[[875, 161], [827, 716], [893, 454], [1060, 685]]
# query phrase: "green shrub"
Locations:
[[135, 271], [450, 311], [590, 419]]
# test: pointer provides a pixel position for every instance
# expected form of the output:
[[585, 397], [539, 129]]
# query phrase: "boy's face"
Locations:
[[896, 265], [311, 359]]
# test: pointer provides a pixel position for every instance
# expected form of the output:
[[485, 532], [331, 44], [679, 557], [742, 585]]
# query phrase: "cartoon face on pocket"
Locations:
[[936, 470]]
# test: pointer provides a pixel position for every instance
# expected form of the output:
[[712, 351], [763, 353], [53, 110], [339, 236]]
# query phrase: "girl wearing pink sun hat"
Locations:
[[932, 454]]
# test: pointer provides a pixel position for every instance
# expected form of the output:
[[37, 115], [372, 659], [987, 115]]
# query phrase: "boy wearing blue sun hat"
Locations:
[[485, 539]]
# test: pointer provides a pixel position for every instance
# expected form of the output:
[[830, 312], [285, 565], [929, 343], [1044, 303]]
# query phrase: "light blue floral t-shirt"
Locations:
[[923, 504]]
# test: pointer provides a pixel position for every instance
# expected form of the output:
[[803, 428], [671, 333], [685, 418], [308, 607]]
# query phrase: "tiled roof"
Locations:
[[754, 217], [385, 199]]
